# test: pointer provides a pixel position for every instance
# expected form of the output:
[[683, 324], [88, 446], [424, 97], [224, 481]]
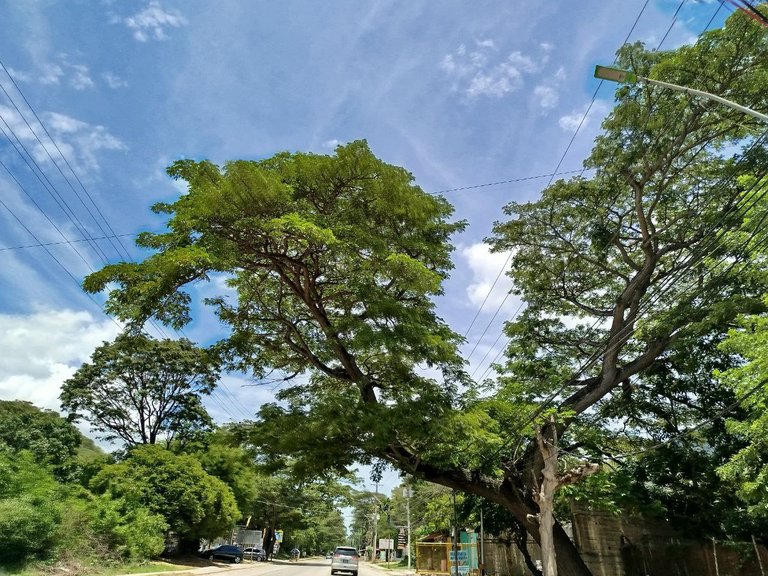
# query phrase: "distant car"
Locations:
[[329, 556], [345, 559], [255, 554], [225, 552]]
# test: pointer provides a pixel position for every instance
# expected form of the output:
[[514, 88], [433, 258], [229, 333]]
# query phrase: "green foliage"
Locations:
[[52, 439], [193, 503], [29, 513], [306, 511], [143, 391], [334, 260], [132, 531], [747, 469], [232, 465]]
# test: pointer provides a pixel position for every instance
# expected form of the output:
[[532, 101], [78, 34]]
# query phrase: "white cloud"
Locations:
[[582, 118], [80, 79], [331, 143], [20, 76], [519, 61], [489, 284], [546, 97], [79, 141], [62, 71], [50, 74], [152, 21], [497, 83], [42, 349], [481, 72], [113, 80]]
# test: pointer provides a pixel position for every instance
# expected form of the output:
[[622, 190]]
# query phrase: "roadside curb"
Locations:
[[212, 569], [393, 571]]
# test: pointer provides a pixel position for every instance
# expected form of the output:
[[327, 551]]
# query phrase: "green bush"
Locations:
[[27, 529], [133, 532]]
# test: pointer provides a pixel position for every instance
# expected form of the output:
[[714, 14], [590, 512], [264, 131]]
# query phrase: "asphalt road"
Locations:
[[304, 567]]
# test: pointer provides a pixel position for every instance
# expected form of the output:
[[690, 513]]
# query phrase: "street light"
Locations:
[[627, 77]]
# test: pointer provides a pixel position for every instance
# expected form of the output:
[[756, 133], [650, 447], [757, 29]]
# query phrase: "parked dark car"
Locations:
[[255, 554], [224, 552]]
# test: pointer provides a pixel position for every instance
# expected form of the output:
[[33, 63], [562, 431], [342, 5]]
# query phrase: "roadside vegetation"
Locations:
[[67, 505], [632, 379]]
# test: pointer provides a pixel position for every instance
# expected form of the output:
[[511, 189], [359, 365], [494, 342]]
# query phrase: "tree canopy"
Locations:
[[142, 391], [52, 439], [194, 504], [335, 260]]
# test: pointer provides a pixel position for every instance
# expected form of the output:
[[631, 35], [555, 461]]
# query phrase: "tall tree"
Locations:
[[142, 391], [52, 439], [335, 261], [194, 504]]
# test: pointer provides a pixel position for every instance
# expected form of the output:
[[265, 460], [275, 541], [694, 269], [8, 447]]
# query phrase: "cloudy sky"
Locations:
[[480, 100]]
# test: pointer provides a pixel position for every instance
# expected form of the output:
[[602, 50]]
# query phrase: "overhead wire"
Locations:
[[227, 399], [73, 241], [47, 185], [559, 163], [118, 246], [590, 361]]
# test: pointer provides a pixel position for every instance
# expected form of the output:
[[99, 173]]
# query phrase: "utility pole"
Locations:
[[408, 494], [482, 545], [376, 524], [455, 537]]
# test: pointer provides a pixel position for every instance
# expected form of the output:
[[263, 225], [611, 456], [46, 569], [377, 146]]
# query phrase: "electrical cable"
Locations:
[[708, 24], [674, 19], [563, 156], [119, 244], [75, 241], [48, 186], [61, 265]]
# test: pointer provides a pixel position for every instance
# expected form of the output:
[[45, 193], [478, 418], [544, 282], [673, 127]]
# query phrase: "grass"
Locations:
[[40, 569], [142, 568]]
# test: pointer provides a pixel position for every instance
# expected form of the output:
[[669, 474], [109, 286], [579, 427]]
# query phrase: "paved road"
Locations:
[[304, 567]]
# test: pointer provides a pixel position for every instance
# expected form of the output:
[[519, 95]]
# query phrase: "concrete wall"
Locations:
[[634, 546]]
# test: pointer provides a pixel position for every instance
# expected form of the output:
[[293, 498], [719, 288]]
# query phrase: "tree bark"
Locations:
[[544, 498], [514, 493]]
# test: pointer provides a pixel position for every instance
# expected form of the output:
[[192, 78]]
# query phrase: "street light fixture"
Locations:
[[627, 77]]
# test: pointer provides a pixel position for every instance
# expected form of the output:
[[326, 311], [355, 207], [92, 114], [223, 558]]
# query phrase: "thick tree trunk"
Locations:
[[544, 497], [515, 494]]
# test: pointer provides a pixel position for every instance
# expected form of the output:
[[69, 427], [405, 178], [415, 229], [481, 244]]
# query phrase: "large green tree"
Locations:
[[193, 503], [141, 391], [335, 261], [52, 439]]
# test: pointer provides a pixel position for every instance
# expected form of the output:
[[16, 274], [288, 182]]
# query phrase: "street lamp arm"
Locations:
[[707, 95], [627, 77]]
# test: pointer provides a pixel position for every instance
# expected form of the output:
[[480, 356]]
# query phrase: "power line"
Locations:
[[117, 245], [75, 241], [512, 181], [559, 163], [47, 185]]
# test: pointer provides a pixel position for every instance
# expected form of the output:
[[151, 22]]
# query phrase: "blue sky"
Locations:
[[462, 94]]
